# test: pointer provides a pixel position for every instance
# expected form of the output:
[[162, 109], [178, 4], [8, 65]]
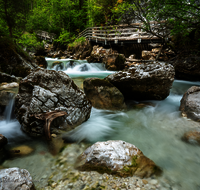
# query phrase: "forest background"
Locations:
[[19, 19]]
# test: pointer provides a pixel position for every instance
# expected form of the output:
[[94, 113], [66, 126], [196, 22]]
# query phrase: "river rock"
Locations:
[[187, 67], [117, 157], [45, 91], [59, 65], [192, 137], [103, 94], [190, 103], [97, 54], [112, 60], [16, 178], [147, 81], [41, 61], [8, 78], [3, 141], [14, 60], [148, 55]]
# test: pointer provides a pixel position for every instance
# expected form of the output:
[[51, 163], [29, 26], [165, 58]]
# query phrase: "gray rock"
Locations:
[[103, 94], [44, 91], [3, 141], [190, 103], [187, 67], [8, 78], [15, 179], [116, 157], [113, 61], [147, 81]]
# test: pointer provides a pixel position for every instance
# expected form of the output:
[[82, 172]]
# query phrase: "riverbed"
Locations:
[[156, 129]]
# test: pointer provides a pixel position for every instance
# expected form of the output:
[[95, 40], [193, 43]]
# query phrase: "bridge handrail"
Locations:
[[120, 31]]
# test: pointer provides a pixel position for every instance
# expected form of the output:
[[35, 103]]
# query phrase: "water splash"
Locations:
[[102, 123], [10, 127]]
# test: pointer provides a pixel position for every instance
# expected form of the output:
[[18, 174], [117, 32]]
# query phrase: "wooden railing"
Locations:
[[45, 35], [119, 33]]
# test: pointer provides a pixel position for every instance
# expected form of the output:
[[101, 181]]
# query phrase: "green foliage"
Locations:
[[77, 42], [29, 41], [65, 38]]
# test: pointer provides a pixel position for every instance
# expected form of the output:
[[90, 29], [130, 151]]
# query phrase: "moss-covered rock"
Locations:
[[13, 60]]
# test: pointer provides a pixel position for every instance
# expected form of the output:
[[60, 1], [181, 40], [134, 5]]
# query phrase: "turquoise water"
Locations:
[[156, 130]]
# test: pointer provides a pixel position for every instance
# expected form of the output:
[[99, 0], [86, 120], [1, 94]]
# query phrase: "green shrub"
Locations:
[[65, 38], [30, 42], [77, 42]]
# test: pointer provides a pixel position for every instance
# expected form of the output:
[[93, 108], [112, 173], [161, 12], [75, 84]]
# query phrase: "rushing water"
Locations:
[[156, 129]]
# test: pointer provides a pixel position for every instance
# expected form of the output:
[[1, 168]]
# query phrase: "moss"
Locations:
[[134, 163]]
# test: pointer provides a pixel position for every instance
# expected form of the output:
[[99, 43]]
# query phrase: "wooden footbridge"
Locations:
[[45, 35], [121, 34]]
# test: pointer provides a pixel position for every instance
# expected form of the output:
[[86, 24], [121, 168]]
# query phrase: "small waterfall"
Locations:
[[9, 110]]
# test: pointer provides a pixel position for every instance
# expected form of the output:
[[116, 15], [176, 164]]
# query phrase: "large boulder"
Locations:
[[187, 67], [112, 60], [190, 103], [103, 94], [147, 81], [45, 91], [15, 178], [117, 157], [14, 60]]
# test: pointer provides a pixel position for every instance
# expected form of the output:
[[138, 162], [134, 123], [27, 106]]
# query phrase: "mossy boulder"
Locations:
[[13, 60], [103, 94], [117, 157]]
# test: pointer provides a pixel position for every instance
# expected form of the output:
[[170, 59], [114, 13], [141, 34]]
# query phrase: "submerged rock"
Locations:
[[45, 91], [103, 94], [117, 157], [190, 103], [15, 178], [147, 81], [23, 150], [192, 137], [59, 65]]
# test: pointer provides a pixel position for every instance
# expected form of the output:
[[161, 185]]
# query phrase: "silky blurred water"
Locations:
[[155, 129]]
